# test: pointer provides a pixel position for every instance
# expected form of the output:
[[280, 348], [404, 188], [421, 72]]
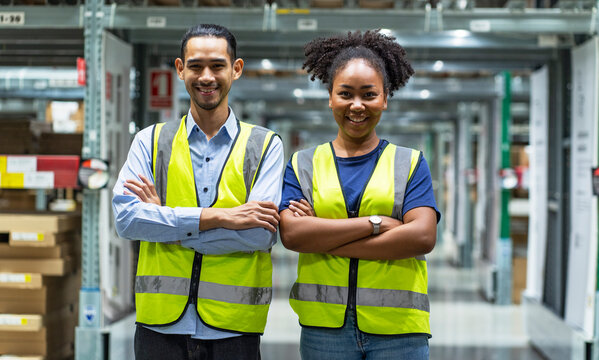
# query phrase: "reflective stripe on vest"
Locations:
[[236, 299], [366, 297], [180, 286], [391, 296]]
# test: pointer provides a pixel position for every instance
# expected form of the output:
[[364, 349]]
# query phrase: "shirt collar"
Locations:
[[229, 128]]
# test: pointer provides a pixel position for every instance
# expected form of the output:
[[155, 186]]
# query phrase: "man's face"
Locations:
[[208, 72]]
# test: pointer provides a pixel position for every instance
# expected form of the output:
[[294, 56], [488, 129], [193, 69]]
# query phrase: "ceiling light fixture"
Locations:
[[266, 64]]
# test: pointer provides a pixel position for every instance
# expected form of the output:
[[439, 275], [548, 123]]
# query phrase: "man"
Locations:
[[200, 193]]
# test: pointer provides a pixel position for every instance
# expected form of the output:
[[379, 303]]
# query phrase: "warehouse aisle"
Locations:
[[464, 325]]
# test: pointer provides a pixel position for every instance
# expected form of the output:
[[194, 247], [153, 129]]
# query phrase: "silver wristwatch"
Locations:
[[376, 224]]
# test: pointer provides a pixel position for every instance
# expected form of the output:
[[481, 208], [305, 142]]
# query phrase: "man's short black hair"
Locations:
[[213, 30]]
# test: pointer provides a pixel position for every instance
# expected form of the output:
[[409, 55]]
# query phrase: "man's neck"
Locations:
[[210, 121]]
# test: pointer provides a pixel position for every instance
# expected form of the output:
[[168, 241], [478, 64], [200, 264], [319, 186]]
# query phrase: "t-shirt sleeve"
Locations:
[[291, 188], [419, 191]]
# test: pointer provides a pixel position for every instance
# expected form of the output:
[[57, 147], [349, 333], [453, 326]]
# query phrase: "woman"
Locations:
[[361, 213]]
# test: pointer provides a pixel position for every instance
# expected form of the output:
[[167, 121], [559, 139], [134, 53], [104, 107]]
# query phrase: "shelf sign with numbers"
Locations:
[[14, 18]]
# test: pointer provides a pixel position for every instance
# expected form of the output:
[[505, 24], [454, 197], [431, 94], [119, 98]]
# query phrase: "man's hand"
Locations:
[[144, 190], [264, 214]]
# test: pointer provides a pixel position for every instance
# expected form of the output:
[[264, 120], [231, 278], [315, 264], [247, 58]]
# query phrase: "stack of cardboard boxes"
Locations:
[[39, 284]]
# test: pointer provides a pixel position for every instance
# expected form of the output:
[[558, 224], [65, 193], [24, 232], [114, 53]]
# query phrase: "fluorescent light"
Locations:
[[266, 64], [460, 33], [387, 32]]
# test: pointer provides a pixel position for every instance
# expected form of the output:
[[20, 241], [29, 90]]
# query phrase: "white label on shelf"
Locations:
[[39, 180], [21, 164], [156, 21], [14, 18], [12, 320], [27, 236], [480, 26], [14, 278], [307, 24]]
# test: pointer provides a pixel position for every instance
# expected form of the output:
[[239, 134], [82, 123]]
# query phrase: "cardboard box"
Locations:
[[10, 322], [60, 144], [40, 239], [377, 4], [17, 200], [215, 2], [20, 281], [518, 278], [329, 4], [56, 293], [63, 250], [56, 267], [55, 336], [39, 222]]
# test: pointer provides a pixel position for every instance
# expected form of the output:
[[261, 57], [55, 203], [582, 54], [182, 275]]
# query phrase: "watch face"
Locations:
[[375, 219]]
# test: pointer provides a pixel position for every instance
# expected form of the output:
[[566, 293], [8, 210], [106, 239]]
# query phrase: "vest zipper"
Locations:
[[353, 283], [195, 279], [353, 263]]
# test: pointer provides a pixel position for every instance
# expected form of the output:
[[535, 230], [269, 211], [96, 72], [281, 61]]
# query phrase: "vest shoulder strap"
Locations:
[[259, 141], [302, 164], [406, 160], [164, 134]]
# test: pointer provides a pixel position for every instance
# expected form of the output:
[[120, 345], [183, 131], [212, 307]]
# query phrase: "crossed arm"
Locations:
[[302, 231], [249, 227], [252, 214]]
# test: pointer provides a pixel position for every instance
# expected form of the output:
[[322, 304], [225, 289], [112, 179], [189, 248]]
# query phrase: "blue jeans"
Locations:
[[349, 343]]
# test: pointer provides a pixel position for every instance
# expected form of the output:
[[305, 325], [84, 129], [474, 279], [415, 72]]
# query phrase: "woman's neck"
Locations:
[[348, 148]]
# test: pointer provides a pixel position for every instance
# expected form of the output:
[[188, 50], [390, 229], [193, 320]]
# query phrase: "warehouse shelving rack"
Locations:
[[541, 33]]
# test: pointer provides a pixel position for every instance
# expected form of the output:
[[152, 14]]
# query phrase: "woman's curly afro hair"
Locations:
[[325, 56]]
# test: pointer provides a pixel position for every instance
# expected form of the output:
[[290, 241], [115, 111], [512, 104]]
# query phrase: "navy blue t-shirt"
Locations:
[[354, 172]]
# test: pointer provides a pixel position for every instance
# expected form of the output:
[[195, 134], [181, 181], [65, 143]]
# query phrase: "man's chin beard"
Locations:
[[208, 107]]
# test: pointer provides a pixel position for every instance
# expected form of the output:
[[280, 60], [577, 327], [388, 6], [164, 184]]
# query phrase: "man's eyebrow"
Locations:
[[214, 60]]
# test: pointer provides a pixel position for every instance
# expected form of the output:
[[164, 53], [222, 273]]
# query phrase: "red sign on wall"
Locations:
[[161, 89], [81, 71]]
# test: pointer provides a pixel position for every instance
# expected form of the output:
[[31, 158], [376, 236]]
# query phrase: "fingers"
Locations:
[[135, 189], [301, 208], [144, 190], [149, 184], [266, 204], [307, 207]]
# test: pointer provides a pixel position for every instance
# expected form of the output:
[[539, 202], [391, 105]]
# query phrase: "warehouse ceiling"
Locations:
[[451, 65]]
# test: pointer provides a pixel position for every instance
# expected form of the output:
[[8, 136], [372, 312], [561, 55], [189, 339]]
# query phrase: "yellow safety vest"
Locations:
[[232, 291], [390, 295]]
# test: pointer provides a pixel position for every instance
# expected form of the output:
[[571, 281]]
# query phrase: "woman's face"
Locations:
[[357, 99]]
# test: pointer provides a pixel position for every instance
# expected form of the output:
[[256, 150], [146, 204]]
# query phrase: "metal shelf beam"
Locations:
[[491, 20]]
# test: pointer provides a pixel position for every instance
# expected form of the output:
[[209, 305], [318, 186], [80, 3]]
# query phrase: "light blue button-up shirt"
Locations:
[[136, 220]]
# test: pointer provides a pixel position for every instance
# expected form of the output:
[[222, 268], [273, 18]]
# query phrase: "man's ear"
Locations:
[[237, 68], [179, 65]]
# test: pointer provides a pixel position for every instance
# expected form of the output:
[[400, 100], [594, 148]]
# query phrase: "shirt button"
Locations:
[[205, 189], [188, 234], [207, 159]]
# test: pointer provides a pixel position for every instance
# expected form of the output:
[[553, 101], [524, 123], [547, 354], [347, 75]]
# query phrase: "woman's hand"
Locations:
[[144, 190], [301, 208]]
